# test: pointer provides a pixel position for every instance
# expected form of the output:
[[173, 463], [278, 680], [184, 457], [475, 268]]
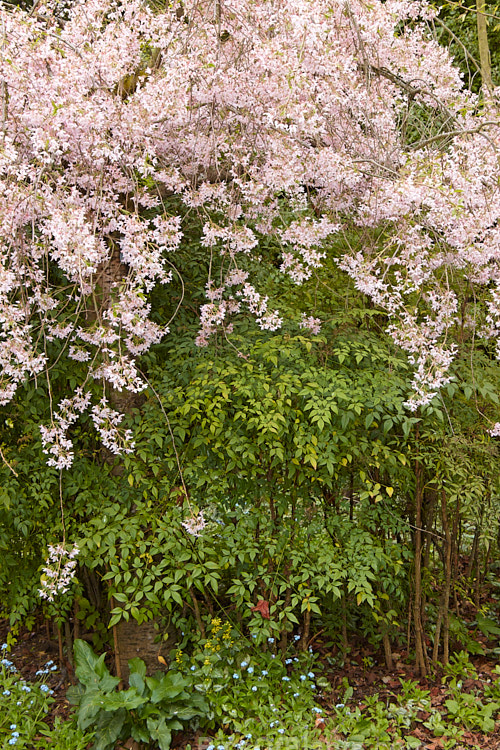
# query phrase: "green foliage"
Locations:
[[23, 714], [459, 668], [267, 445], [300, 453], [390, 724], [254, 689], [148, 711], [371, 728], [459, 33], [296, 738], [467, 709]]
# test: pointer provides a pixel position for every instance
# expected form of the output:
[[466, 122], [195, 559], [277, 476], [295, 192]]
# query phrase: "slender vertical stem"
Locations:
[[345, 642], [197, 614], [60, 644], [69, 642], [116, 645], [420, 656], [387, 648], [443, 616], [305, 633], [76, 621], [484, 48]]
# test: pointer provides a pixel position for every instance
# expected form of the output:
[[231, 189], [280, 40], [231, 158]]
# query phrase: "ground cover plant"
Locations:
[[148, 711], [24, 708], [458, 708]]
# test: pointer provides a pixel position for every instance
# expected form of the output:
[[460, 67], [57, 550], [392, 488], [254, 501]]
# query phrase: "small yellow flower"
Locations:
[[216, 625], [206, 662]]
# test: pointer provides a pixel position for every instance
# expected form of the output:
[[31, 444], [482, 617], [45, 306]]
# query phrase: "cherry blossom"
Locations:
[[107, 423], [59, 571], [195, 524], [286, 121], [310, 323]]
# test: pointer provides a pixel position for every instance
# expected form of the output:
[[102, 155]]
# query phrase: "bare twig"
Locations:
[[7, 463]]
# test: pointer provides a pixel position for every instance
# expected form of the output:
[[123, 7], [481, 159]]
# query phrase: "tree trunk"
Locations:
[[132, 639], [484, 49]]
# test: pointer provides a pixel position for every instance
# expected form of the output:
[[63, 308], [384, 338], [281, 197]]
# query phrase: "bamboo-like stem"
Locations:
[[116, 646], [305, 633], [345, 642], [484, 48], [197, 614], [420, 655], [443, 616], [60, 644]]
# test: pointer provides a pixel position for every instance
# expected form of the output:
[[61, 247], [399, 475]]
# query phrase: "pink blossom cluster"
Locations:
[[306, 238], [226, 301], [195, 524], [55, 441], [310, 324], [59, 571], [277, 120], [107, 423]]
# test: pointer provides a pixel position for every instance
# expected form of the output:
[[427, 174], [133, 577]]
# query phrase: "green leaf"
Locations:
[[134, 611], [91, 670], [90, 705], [160, 732], [452, 706], [89, 667], [108, 683], [128, 699], [137, 674], [487, 626], [114, 620], [140, 733], [109, 726], [413, 742], [169, 686], [74, 694], [187, 713]]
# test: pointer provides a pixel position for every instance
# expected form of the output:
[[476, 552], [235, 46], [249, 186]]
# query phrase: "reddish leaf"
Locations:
[[420, 733], [436, 744], [423, 715], [263, 607]]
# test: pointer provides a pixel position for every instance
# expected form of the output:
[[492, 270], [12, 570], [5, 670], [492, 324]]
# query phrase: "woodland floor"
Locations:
[[33, 649]]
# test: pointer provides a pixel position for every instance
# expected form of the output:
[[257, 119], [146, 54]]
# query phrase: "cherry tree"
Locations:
[[296, 120]]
